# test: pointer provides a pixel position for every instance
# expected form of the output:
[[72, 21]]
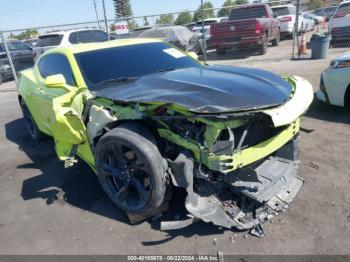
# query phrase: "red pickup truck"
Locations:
[[248, 26]]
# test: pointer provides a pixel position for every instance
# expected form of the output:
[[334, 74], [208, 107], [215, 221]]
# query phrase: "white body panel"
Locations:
[[197, 29], [341, 18], [286, 14], [336, 82]]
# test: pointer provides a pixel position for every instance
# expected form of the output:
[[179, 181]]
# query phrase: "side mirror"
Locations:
[[55, 81], [193, 55]]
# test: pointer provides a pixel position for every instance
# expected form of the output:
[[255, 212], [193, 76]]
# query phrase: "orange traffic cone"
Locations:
[[302, 46]]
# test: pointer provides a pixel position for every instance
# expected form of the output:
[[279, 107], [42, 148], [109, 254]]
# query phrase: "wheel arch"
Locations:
[[143, 124]]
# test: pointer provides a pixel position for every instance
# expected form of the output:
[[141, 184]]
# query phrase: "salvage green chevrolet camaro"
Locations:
[[148, 117]]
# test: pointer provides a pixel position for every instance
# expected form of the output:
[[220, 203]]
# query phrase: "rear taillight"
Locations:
[[258, 28], [285, 19], [340, 14]]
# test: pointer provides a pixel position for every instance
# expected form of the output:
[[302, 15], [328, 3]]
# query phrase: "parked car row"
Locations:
[[22, 58]]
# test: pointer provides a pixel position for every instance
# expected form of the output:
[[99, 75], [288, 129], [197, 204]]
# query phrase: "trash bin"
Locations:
[[320, 45]]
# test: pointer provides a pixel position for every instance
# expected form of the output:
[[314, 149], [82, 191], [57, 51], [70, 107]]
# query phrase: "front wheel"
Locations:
[[131, 169]]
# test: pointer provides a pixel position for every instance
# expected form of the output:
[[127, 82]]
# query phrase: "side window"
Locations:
[[73, 38], [56, 64]]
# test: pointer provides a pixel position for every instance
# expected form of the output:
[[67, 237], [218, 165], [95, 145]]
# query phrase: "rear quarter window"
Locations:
[[50, 40]]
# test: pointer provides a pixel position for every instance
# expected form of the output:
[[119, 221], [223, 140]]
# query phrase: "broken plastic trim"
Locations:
[[277, 185]]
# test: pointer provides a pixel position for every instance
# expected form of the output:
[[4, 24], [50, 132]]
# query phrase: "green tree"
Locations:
[[122, 8], [314, 4], [145, 21], [205, 13], [132, 24], [226, 11], [183, 18], [165, 19], [241, 2], [30, 33]]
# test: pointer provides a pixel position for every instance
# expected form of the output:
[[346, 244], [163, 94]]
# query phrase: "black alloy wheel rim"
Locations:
[[125, 175]]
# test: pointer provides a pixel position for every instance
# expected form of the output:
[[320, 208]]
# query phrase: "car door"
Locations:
[[62, 108], [49, 65]]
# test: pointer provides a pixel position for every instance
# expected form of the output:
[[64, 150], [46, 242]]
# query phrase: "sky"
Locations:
[[18, 14]]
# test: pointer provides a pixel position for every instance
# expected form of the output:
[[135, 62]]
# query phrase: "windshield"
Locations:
[[18, 46], [156, 33], [101, 65], [248, 13], [283, 11], [50, 40]]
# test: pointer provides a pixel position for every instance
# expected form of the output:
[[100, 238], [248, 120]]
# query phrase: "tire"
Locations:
[[276, 41], [1, 79], [221, 52], [131, 169], [262, 49], [31, 126]]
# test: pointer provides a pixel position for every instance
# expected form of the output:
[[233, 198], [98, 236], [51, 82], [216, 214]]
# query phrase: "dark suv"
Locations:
[[22, 58]]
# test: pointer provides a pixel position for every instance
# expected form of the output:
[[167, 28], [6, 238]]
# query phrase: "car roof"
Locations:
[[79, 48], [62, 32]]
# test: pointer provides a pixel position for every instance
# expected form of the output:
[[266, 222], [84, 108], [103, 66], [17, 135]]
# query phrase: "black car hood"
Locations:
[[211, 89]]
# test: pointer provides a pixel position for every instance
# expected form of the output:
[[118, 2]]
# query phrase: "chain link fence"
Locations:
[[268, 31]]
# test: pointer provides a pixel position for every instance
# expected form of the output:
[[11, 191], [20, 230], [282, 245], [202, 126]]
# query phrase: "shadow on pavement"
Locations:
[[326, 112], [79, 186]]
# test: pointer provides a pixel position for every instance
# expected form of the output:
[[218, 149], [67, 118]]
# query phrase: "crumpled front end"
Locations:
[[239, 170]]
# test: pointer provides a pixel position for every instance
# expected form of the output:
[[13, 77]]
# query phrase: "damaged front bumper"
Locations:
[[253, 184], [245, 198]]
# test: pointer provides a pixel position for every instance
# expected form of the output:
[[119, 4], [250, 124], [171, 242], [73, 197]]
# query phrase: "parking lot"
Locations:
[[46, 209]]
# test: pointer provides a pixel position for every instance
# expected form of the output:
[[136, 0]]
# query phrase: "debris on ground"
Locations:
[[313, 165]]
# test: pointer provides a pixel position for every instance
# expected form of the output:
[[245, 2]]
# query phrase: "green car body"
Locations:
[[60, 111]]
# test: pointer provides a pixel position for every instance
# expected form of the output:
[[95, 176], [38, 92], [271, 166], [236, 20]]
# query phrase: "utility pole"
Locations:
[[105, 17], [97, 18], [295, 31], [204, 43]]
